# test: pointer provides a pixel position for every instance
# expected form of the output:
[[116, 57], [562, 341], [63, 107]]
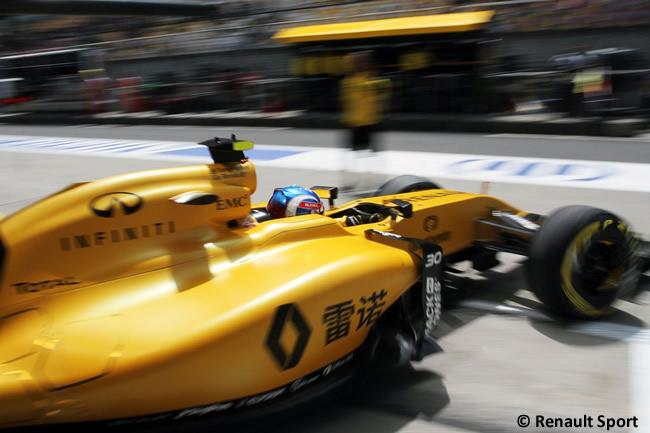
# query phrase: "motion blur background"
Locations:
[[574, 57], [85, 71]]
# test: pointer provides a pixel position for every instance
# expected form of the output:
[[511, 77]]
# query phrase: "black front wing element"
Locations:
[[516, 233]]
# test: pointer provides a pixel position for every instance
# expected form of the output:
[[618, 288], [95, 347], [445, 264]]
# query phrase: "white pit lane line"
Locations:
[[638, 340], [604, 175], [641, 137], [639, 388], [484, 168]]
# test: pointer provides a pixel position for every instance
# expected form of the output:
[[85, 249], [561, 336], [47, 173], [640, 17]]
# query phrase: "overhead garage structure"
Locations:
[[403, 26], [434, 61]]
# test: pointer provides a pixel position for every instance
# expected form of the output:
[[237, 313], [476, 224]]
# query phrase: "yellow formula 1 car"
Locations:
[[141, 298]]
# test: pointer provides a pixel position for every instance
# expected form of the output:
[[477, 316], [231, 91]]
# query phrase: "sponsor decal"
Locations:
[[293, 387], [372, 308], [310, 205], [230, 172], [285, 315], [114, 204], [429, 196], [297, 385], [336, 365], [118, 235], [433, 293], [303, 382], [229, 203], [29, 287], [430, 223], [337, 317], [299, 204]]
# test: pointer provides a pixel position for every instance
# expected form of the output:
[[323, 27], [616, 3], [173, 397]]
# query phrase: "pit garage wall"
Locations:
[[538, 47], [273, 60]]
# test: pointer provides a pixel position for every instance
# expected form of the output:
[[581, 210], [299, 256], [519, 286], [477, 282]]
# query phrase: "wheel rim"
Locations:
[[599, 267], [593, 267]]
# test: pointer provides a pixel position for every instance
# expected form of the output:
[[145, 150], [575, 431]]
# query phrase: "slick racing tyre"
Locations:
[[581, 260], [405, 183]]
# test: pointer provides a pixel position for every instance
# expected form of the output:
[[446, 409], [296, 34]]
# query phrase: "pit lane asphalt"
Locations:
[[620, 149], [499, 363]]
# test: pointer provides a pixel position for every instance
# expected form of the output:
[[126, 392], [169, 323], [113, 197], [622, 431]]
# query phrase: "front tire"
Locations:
[[582, 260]]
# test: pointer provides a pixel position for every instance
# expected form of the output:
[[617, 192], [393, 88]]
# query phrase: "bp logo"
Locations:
[[115, 204], [288, 315]]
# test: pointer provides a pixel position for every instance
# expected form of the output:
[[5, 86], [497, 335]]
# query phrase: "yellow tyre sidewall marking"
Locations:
[[567, 286]]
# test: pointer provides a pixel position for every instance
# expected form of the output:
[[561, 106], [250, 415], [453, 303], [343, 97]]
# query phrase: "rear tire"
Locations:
[[405, 183], [582, 260]]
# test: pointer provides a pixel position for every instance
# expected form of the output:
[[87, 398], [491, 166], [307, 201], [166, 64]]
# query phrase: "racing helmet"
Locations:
[[292, 201]]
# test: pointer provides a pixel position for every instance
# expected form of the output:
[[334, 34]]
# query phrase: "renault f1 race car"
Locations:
[[141, 298]]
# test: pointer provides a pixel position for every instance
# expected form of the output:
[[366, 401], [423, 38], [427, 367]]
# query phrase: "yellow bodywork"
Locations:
[[120, 299]]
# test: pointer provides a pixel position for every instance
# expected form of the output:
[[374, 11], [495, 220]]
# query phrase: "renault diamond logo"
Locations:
[[116, 203], [288, 315]]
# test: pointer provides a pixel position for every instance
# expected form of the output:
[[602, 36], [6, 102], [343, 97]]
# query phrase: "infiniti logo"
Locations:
[[113, 204]]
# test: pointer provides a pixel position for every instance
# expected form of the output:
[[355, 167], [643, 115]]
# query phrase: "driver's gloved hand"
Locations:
[[353, 220]]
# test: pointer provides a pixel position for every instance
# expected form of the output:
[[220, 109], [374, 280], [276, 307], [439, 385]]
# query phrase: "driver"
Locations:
[[289, 201]]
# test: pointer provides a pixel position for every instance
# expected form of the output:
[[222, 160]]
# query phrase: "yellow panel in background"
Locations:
[[442, 23]]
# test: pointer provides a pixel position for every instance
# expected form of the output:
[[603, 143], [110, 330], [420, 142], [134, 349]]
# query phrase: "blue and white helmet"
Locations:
[[292, 201]]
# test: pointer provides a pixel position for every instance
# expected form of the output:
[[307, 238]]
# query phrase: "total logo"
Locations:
[[527, 168]]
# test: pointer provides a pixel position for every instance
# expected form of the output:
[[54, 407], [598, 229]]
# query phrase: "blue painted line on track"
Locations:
[[11, 142], [98, 146]]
